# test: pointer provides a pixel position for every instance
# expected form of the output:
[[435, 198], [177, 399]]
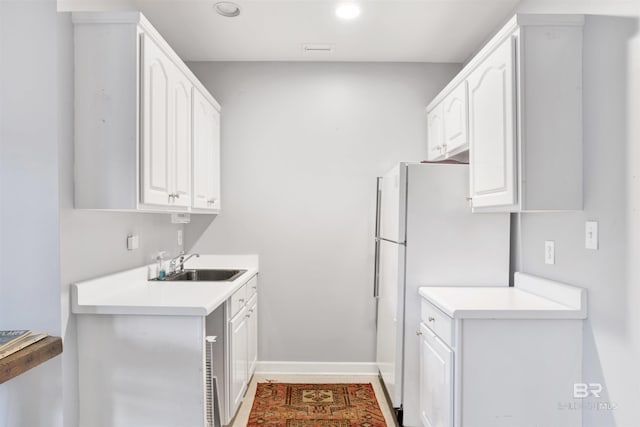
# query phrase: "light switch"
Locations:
[[179, 237], [591, 235], [549, 252], [132, 242]]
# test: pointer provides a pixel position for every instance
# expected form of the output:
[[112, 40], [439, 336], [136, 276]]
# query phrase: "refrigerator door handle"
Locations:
[[376, 260]]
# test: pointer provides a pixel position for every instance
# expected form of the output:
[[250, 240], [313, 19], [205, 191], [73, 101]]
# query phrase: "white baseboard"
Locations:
[[317, 368]]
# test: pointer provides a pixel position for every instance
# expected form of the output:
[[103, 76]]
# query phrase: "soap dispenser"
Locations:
[[162, 273]]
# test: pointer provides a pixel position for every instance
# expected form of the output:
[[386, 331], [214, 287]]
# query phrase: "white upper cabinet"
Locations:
[[137, 128], [206, 154], [447, 122], [435, 134], [181, 89], [492, 129], [456, 121], [517, 107]]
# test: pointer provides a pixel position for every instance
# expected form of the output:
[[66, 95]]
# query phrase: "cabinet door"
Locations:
[[238, 338], [206, 153], [180, 125], [252, 332], [435, 135], [455, 120], [492, 123], [436, 381], [156, 141]]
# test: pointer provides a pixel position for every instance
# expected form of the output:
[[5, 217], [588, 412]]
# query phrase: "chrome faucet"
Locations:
[[177, 263]]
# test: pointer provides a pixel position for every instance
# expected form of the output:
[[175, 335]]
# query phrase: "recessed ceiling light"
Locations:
[[227, 8], [348, 11]]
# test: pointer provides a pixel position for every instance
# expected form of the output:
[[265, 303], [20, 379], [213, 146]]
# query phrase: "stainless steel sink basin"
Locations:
[[216, 275]]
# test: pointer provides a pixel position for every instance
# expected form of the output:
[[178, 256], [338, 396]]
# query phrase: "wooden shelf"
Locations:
[[29, 357]]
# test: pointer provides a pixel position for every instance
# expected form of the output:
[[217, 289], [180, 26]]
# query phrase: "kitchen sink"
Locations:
[[216, 275]]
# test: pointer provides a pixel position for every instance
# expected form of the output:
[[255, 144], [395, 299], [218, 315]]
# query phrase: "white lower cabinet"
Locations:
[[152, 370], [242, 333], [238, 342], [252, 335], [477, 372], [436, 381]]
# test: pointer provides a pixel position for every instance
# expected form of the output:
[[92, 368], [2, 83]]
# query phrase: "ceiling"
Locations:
[[267, 30]]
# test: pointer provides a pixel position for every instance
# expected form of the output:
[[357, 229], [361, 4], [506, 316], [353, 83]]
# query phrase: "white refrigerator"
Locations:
[[426, 235]]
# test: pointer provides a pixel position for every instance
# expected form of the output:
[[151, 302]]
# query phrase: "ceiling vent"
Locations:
[[317, 49]]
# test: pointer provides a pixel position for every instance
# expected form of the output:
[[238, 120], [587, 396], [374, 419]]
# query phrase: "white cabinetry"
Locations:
[[435, 133], [206, 153], [492, 129], [238, 342], [243, 343], [523, 108], [138, 117], [166, 129], [436, 381], [252, 335], [495, 369], [447, 125]]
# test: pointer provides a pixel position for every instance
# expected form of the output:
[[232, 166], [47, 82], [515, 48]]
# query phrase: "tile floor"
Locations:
[[245, 407]]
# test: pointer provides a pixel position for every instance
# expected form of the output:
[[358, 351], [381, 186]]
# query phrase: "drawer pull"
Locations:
[[431, 319], [418, 332], [241, 300]]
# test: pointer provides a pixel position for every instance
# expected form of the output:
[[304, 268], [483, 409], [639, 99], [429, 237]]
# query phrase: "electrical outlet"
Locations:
[[133, 242], [591, 235], [549, 252], [179, 237]]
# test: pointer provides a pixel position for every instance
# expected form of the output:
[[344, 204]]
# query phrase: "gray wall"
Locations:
[[611, 197], [40, 232], [29, 256], [302, 145]]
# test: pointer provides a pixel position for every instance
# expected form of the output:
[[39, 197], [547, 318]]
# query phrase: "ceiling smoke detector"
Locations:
[[227, 9]]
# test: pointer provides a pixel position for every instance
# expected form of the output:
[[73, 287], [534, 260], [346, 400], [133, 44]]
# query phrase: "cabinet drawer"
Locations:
[[252, 287], [438, 322], [238, 300]]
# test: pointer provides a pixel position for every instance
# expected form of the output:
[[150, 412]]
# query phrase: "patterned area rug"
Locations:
[[315, 405]]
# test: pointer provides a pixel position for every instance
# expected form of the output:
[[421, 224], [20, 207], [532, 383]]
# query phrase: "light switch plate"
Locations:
[[549, 252], [591, 235], [180, 238]]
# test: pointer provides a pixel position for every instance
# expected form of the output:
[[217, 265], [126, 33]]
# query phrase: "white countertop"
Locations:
[[129, 292], [531, 298]]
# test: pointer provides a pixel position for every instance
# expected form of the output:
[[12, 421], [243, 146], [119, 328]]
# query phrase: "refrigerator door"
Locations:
[[391, 198], [390, 318]]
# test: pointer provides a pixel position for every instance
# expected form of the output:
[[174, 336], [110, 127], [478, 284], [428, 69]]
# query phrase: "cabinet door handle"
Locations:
[[241, 300], [251, 310], [170, 198], [212, 200], [431, 319], [418, 332], [176, 195]]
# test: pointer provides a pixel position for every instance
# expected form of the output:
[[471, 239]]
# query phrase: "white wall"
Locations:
[[47, 245], [302, 145], [29, 279], [611, 197]]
